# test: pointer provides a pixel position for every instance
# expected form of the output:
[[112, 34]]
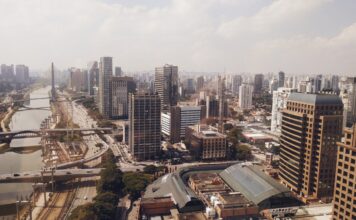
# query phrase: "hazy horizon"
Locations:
[[298, 37]]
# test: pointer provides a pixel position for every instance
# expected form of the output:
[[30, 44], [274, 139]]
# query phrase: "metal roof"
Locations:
[[319, 99], [171, 185], [255, 185]]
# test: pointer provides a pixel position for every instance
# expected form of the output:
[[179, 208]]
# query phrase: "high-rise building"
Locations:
[[348, 96], [178, 119], [258, 83], [335, 83], [279, 102], [245, 96], [93, 77], [281, 79], [145, 126], [105, 74], [22, 74], [317, 83], [189, 86], [7, 72], [78, 80], [311, 126], [120, 88], [344, 205], [236, 83], [166, 85], [118, 71], [273, 86], [200, 83]]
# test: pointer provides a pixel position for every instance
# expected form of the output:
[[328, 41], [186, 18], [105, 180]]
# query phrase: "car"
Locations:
[[85, 198], [68, 173], [16, 174]]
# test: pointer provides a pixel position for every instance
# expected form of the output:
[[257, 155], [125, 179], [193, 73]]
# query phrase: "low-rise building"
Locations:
[[206, 143]]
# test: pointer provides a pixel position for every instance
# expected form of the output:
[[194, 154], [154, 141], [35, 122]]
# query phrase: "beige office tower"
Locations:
[[166, 85], [311, 126], [344, 202]]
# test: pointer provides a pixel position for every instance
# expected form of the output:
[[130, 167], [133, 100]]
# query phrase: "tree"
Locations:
[[135, 183], [150, 169], [235, 135], [242, 152], [111, 176], [107, 197], [84, 212]]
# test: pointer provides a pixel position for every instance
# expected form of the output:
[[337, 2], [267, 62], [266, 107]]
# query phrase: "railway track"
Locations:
[[47, 211]]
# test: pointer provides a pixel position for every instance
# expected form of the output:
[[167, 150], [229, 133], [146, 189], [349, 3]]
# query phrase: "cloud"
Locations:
[[197, 35]]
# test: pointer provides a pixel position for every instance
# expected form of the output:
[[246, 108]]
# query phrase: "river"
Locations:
[[12, 162]]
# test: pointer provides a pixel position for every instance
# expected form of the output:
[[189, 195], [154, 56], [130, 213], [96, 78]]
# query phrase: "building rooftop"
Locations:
[[319, 99], [255, 185]]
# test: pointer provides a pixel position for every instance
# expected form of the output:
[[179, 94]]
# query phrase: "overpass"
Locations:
[[6, 136], [46, 176]]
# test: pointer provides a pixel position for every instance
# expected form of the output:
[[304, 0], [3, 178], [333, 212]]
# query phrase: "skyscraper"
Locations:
[[245, 96], [105, 74], [7, 72], [344, 205], [93, 77], [22, 74], [145, 126], [120, 88], [335, 83], [200, 83], [311, 126], [178, 119], [236, 83], [281, 79], [258, 83], [118, 71], [166, 85], [279, 102]]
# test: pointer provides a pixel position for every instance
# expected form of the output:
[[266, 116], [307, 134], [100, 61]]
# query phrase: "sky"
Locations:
[[235, 36]]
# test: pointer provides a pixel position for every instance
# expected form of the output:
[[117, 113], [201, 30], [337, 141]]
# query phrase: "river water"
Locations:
[[12, 162]]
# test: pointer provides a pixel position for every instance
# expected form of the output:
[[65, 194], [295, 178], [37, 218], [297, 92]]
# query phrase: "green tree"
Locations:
[[84, 212], [150, 169], [107, 197], [135, 183], [242, 152], [235, 135]]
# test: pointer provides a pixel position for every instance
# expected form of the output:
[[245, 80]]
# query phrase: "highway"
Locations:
[[58, 175]]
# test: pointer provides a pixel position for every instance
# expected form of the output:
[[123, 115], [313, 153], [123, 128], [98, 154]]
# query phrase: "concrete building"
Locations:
[[258, 83], [105, 74], [348, 96], [281, 79], [245, 96], [145, 126], [206, 143], [118, 71], [166, 85], [311, 126], [273, 86], [78, 80], [236, 83], [344, 205], [22, 74], [120, 88], [7, 72], [279, 102], [93, 77], [200, 83], [178, 119], [335, 83]]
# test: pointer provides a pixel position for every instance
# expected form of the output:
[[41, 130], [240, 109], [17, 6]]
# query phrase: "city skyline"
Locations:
[[237, 36]]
